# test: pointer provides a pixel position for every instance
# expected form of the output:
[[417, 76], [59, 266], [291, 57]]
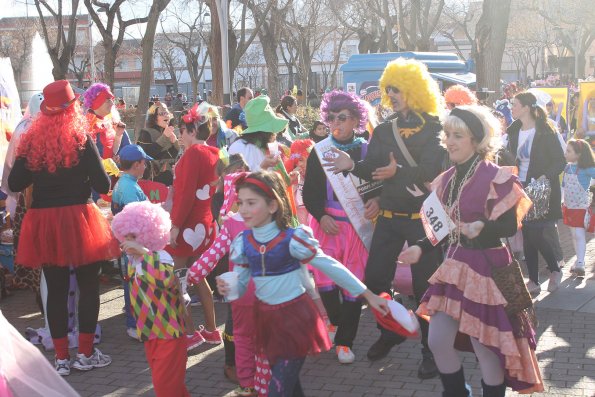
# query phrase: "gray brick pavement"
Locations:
[[566, 352]]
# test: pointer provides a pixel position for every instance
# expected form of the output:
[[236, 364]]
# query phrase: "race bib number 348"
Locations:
[[436, 221]]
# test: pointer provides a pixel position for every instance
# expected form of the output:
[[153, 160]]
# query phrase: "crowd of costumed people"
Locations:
[[298, 230]]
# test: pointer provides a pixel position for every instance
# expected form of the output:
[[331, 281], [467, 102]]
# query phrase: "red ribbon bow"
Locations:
[[194, 116]]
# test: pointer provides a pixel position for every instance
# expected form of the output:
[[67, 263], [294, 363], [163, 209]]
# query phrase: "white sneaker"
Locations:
[[97, 360], [578, 269], [534, 289], [345, 355], [63, 367], [132, 333], [555, 280]]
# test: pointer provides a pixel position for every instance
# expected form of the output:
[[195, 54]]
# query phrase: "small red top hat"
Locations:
[[400, 320], [58, 96]]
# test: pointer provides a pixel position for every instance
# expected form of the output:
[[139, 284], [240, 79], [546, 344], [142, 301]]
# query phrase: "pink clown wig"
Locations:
[[149, 222]]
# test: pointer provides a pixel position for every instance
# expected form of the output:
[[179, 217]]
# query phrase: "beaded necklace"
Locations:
[[453, 207]]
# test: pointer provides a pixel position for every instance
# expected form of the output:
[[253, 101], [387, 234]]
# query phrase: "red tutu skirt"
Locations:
[[574, 217], [290, 330], [73, 235]]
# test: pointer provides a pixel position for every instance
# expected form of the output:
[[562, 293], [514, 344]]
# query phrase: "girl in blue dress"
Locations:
[[288, 325]]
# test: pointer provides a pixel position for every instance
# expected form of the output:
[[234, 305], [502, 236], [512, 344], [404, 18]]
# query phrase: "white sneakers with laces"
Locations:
[[63, 367], [96, 360]]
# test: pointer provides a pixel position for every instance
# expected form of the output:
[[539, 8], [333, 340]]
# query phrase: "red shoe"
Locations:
[[194, 340], [211, 337]]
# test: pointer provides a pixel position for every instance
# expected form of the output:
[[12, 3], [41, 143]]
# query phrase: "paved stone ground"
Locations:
[[566, 351]]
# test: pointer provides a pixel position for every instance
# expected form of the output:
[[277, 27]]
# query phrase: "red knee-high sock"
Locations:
[[86, 343], [61, 348]]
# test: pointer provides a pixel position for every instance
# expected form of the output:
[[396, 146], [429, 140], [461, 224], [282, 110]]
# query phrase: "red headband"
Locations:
[[261, 185], [101, 98]]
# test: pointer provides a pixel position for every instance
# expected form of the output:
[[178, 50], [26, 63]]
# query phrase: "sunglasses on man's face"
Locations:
[[339, 117], [392, 89]]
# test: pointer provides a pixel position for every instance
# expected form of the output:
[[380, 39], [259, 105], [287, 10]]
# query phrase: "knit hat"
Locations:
[[261, 117]]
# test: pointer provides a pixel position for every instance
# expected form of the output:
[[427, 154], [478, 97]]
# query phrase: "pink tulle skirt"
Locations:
[[290, 330]]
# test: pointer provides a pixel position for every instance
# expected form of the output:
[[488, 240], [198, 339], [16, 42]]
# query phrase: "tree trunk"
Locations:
[[109, 64], [59, 70], [215, 55], [147, 69], [272, 62], [490, 40]]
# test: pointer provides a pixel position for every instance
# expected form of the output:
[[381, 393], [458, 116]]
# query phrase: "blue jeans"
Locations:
[[130, 320], [285, 380]]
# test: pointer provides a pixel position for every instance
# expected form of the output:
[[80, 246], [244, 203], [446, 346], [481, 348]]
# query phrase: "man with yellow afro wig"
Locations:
[[415, 98]]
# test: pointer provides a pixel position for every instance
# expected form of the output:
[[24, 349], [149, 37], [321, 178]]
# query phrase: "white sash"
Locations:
[[346, 192]]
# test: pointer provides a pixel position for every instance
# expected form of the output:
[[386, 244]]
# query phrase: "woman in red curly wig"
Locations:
[[61, 229]]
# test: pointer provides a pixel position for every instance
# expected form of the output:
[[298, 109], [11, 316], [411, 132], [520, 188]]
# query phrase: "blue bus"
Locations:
[[362, 71]]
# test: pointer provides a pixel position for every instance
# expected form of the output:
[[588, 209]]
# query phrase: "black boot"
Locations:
[[454, 385], [427, 368], [381, 348], [493, 391]]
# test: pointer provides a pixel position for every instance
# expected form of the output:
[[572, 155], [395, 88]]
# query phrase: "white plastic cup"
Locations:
[[231, 278], [273, 148]]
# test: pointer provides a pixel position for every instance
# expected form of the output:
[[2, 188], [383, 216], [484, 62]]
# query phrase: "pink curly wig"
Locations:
[[149, 222], [93, 91], [459, 95], [335, 101], [55, 140]]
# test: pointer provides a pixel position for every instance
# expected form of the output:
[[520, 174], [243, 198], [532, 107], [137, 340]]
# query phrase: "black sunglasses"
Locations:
[[390, 89], [340, 117]]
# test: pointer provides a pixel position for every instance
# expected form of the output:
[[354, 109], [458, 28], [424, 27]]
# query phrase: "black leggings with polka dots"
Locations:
[[58, 282]]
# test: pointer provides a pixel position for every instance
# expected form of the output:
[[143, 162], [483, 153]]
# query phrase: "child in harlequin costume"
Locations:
[[288, 325], [132, 164], [193, 226], [252, 380], [296, 166], [331, 225], [108, 131], [155, 294]]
